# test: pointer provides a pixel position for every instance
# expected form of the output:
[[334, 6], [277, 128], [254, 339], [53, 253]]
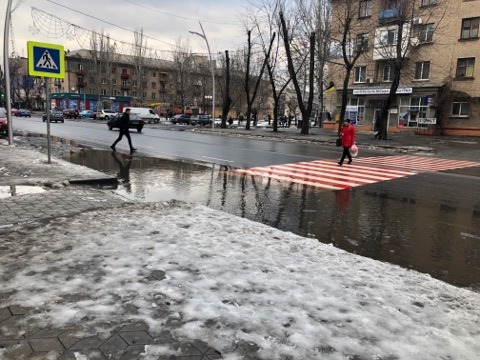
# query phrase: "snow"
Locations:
[[230, 280]]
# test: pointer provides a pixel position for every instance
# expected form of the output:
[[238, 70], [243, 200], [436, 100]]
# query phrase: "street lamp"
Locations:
[[7, 72], [204, 37]]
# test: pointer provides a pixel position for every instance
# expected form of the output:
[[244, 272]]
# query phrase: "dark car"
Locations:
[[136, 122], [180, 119], [55, 115], [3, 122], [202, 120], [70, 113], [23, 112]]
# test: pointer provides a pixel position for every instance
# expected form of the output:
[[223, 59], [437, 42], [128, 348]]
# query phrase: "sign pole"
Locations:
[[47, 95], [6, 64]]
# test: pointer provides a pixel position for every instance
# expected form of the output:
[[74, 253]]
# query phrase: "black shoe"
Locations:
[[132, 150], [112, 147], [340, 163], [349, 161]]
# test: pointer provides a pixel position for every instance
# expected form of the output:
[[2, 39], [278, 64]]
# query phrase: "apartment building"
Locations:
[[436, 43]]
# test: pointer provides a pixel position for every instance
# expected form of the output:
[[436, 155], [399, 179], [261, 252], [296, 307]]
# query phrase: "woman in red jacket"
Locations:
[[348, 139]]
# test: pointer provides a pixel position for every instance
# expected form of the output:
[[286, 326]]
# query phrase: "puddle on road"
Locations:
[[436, 238], [14, 190]]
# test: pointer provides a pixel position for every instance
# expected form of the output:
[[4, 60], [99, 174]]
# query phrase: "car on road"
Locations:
[[23, 113], [70, 113], [180, 119], [55, 115], [3, 122], [87, 114], [202, 120], [14, 111], [136, 122], [105, 114]]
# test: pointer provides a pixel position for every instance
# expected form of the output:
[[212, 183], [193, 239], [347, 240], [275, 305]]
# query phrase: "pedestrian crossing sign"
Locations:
[[46, 60]]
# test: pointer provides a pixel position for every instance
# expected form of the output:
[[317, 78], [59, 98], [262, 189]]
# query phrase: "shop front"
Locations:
[[89, 102]]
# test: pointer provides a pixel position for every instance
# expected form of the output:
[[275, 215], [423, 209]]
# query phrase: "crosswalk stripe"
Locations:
[[328, 175]]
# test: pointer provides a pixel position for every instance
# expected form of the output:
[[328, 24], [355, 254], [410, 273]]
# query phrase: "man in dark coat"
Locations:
[[124, 123]]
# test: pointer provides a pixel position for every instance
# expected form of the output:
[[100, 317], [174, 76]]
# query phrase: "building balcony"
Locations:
[[80, 72], [81, 84], [125, 87], [125, 76], [388, 14]]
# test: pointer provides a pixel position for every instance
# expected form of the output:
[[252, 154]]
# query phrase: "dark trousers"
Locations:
[[125, 132], [346, 153]]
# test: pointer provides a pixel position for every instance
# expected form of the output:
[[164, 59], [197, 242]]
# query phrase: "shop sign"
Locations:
[[381, 91], [427, 121]]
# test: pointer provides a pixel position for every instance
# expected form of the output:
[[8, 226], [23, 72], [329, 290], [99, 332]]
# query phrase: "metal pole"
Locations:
[[7, 72], [47, 95], [213, 71]]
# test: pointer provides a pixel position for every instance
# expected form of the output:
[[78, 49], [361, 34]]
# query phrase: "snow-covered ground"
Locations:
[[230, 279]]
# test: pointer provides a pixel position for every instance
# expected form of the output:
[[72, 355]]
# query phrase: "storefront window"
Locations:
[[355, 110], [412, 109]]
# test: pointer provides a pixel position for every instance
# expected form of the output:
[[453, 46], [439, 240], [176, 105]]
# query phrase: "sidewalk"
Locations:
[[87, 275]]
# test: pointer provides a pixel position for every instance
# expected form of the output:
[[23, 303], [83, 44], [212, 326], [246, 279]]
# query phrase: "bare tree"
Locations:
[[182, 65], [347, 45], [305, 109], [140, 68], [396, 45]]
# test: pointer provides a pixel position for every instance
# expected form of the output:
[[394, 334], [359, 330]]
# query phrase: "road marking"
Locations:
[[328, 175]]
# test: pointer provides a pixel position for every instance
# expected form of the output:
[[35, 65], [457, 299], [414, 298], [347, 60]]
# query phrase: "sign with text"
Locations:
[[46, 60], [427, 121], [381, 91]]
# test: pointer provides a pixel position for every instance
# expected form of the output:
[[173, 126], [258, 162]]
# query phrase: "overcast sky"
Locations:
[[163, 21]]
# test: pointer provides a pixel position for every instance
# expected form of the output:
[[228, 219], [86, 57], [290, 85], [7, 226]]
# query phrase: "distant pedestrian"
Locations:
[[348, 139], [124, 124], [376, 129]]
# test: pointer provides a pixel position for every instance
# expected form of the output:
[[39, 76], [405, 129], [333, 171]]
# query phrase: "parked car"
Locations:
[[14, 111], [180, 119], [203, 120], [136, 122], [23, 112], [55, 115], [71, 113], [86, 113], [105, 114], [3, 122]]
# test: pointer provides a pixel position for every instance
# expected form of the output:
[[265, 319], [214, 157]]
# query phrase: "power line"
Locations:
[[109, 23], [175, 15]]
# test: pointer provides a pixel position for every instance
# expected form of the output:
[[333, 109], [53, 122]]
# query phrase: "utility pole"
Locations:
[[6, 64]]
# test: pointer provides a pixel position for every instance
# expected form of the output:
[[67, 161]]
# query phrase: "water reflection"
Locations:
[[435, 236]]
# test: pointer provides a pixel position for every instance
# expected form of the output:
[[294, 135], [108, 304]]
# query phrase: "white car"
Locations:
[[106, 114]]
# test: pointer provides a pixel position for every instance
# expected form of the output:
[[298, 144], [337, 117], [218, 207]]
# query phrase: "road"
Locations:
[[420, 212], [155, 142]]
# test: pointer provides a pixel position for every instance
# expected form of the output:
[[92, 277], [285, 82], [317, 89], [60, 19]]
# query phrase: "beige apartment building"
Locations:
[[439, 89]]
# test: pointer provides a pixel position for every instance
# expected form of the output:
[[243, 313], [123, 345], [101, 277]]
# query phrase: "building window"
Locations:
[[104, 92], [360, 74], [388, 37], [412, 109], [362, 42], [80, 67], [386, 72], [144, 95], [425, 34], [114, 81], [114, 70], [135, 72], [460, 108], [465, 68], [470, 28], [154, 85], [392, 4], [124, 83], [134, 94], [429, 2], [124, 71], [134, 83], [104, 81], [422, 70], [154, 95], [365, 8], [355, 109], [114, 93], [154, 74]]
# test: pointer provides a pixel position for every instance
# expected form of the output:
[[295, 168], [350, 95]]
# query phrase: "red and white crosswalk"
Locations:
[[328, 175]]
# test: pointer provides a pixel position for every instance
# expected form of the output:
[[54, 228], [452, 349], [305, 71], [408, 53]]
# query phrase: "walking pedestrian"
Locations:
[[124, 123], [348, 139]]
